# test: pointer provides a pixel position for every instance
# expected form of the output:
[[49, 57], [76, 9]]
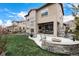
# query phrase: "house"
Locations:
[[9, 29], [17, 26], [47, 19], [20, 26]]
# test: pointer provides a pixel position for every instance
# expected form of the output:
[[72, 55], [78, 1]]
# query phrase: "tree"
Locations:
[[75, 13], [2, 42], [76, 32], [75, 9]]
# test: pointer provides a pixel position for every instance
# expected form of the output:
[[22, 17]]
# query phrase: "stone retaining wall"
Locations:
[[61, 48]]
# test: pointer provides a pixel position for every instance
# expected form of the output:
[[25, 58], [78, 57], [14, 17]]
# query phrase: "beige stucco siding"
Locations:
[[32, 18], [31, 24], [35, 17], [59, 15], [53, 13]]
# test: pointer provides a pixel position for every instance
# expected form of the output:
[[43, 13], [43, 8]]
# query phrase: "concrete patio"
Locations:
[[65, 45]]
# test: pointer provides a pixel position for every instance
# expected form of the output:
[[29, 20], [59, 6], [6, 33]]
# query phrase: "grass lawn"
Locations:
[[20, 45]]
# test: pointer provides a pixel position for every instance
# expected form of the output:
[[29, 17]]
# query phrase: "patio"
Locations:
[[57, 44]]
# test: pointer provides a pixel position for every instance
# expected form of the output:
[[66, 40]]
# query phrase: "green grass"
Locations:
[[20, 45]]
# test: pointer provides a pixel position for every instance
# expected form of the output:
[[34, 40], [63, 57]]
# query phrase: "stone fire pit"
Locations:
[[61, 45]]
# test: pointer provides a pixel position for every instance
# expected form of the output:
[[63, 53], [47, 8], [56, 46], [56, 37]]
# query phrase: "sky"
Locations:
[[16, 11]]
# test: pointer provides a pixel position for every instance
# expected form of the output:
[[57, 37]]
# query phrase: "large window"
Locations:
[[46, 28]]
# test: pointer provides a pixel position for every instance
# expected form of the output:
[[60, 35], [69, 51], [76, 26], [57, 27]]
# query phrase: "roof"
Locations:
[[45, 6], [11, 26], [19, 21]]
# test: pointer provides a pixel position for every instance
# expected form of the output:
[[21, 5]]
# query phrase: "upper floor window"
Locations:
[[27, 19], [44, 12], [23, 28]]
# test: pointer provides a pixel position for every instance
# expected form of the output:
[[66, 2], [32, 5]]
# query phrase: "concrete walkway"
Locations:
[[37, 40]]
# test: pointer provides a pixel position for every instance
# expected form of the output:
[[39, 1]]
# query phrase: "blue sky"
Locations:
[[16, 11], [67, 9]]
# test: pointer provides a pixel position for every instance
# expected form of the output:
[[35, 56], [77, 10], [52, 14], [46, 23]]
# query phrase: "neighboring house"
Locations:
[[17, 26], [47, 19], [10, 28], [20, 26]]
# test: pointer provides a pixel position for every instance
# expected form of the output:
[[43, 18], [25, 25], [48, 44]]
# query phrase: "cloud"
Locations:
[[18, 16], [5, 23], [12, 13], [68, 18], [8, 23], [22, 14], [76, 4], [11, 16], [1, 22]]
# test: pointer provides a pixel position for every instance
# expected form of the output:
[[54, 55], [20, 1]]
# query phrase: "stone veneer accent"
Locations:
[[72, 49]]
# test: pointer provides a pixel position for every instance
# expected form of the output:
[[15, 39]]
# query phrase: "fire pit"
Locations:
[[61, 45]]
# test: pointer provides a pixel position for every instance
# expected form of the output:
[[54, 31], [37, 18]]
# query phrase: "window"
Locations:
[[46, 28], [32, 23], [19, 27], [45, 13], [23, 22], [27, 19], [23, 28], [39, 27], [32, 30]]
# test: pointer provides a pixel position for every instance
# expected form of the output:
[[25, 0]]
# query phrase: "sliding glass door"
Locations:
[[46, 28]]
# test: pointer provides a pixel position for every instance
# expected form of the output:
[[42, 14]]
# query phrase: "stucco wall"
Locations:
[[55, 15], [31, 24], [54, 12]]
